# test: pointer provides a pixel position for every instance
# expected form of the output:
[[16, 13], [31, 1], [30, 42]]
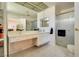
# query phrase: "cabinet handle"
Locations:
[[76, 29]]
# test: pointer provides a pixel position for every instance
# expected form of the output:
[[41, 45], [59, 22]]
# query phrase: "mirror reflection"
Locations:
[[25, 20], [44, 22], [31, 25]]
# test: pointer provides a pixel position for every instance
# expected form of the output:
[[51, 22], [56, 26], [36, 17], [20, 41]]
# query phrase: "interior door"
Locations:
[[77, 29]]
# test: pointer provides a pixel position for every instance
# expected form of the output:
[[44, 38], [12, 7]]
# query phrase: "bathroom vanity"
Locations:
[[19, 41]]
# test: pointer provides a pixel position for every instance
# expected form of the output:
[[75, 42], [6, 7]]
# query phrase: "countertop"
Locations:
[[19, 33], [19, 36], [15, 36]]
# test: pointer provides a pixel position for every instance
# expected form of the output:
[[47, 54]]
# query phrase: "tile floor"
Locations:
[[44, 51]]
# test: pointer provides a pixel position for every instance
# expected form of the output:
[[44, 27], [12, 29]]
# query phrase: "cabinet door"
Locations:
[[43, 38]]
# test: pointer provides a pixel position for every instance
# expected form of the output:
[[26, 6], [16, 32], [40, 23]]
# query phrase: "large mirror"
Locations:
[[44, 22], [23, 19], [31, 25]]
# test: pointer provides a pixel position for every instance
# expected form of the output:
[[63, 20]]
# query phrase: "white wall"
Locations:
[[50, 13], [77, 31]]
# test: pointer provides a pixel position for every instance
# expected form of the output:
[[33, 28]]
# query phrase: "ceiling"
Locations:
[[49, 4], [40, 6], [36, 6], [60, 6]]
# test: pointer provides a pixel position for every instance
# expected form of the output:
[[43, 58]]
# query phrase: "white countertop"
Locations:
[[19, 33], [19, 36], [24, 35]]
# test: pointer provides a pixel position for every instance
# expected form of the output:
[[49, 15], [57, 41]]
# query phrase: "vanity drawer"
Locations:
[[20, 45]]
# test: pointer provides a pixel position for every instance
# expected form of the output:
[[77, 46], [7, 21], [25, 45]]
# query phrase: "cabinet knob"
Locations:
[[76, 29]]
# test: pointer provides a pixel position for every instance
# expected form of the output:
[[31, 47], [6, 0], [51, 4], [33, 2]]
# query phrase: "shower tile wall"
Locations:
[[65, 22]]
